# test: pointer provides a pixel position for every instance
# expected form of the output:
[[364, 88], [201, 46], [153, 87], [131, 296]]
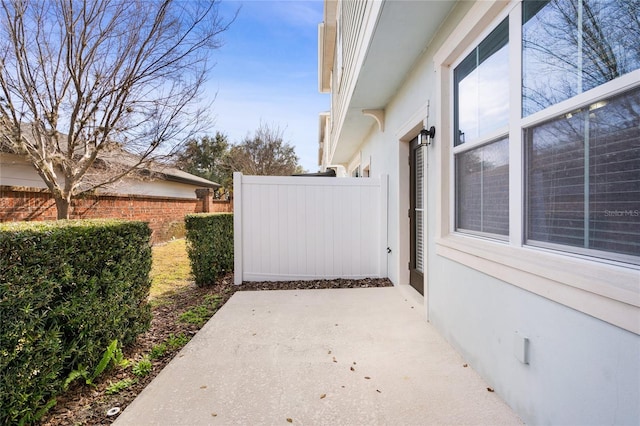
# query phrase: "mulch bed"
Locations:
[[85, 405]]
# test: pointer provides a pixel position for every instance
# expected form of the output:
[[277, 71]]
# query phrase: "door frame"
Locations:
[[405, 134]]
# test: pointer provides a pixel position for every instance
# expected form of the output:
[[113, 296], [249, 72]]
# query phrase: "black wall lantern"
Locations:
[[426, 136]]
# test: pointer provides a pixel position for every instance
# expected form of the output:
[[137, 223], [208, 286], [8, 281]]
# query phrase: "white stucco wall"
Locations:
[[160, 188], [582, 370], [15, 171]]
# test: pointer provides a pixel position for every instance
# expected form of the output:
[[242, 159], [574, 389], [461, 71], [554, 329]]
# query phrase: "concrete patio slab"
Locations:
[[318, 357]]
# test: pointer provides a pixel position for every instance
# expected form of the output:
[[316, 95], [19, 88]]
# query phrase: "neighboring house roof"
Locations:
[[175, 175], [153, 170], [158, 170]]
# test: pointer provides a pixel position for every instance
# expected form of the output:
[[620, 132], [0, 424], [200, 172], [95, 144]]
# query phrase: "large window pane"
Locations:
[[482, 87], [482, 193], [583, 177], [572, 46]]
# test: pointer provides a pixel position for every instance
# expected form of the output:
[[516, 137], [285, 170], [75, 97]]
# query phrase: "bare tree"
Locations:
[[93, 90], [263, 154]]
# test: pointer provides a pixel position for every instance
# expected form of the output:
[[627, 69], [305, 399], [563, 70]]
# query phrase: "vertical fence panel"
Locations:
[[296, 228]]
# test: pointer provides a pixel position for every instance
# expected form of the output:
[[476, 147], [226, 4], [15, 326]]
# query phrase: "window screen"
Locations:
[[482, 189], [583, 177]]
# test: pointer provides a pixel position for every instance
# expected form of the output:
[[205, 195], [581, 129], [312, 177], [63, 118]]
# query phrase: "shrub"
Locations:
[[210, 246], [112, 356], [67, 290]]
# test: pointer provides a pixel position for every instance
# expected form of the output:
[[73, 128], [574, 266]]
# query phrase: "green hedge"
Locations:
[[67, 289], [209, 245]]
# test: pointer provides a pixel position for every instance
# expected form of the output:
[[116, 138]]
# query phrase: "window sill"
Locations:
[[607, 291]]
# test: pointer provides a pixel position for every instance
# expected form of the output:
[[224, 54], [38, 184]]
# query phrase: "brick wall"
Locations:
[[165, 215]]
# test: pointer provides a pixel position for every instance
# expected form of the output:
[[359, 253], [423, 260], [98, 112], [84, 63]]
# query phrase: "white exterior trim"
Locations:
[[608, 292], [237, 229]]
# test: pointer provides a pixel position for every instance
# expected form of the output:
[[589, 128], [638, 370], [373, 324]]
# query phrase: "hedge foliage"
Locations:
[[67, 289], [209, 246]]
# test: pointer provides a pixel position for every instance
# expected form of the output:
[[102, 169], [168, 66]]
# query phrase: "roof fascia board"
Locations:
[[327, 45], [179, 179]]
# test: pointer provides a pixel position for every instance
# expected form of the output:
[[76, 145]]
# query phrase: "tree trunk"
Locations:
[[62, 205]]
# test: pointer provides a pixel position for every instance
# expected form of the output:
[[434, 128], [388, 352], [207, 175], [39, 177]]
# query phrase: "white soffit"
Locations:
[[403, 31]]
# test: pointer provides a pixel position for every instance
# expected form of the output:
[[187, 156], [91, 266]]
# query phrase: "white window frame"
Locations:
[[606, 289], [485, 139]]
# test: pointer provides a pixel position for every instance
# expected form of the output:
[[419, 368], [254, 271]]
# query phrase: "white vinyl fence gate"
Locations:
[[302, 228]]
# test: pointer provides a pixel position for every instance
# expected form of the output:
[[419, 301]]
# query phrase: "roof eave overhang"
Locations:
[[326, 45], [411, 25], [194, 182]]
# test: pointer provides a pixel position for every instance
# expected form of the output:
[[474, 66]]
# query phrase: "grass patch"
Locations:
[[170, 270], [200, 314], [158, 351], [197, 315], [170, 344], [142, 368], [119, 386], [177, 341]]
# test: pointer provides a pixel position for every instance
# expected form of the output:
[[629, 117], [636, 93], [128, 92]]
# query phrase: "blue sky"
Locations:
[[267, 71]]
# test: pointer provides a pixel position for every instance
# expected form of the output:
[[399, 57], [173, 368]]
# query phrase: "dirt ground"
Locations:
[[87, 405]]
